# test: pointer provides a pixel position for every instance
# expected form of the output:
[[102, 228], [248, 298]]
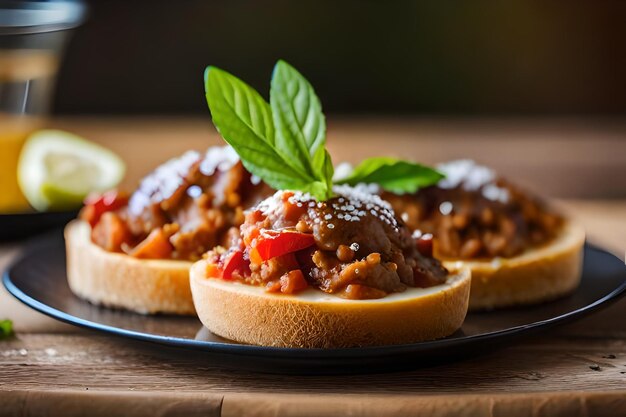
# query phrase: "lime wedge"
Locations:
[[57, 169]]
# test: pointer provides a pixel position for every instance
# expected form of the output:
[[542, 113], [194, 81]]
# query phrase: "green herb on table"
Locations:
[[283, 142], [6, 329]]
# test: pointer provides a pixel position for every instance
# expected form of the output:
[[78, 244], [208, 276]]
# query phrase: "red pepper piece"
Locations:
[[235, 262], [270, 243], [98, 204]]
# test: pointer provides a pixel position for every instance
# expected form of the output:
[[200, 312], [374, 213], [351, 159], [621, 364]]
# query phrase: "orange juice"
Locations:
[[25, 80], [13, 133]]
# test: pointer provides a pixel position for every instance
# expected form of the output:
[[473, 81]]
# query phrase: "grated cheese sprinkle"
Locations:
[[472, 177]]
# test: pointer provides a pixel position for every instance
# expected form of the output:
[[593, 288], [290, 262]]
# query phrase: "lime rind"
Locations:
[[57, 169]]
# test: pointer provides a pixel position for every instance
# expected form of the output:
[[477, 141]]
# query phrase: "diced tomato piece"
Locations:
[[98, 204], [270, 244], [155, 246], [292, 282], [273, 286], [255, 258], [250, 236], [111, 232], [213, 271], [291, 212], [235, 262], [88, 214]]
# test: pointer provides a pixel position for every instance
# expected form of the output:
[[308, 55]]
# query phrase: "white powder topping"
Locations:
[[470, 176], [494, 193], [162, 182], [194, 191], [445, 208], [219, 158], [359, 197], [273, 203], [369, 188], [347, 207], [354, 247]]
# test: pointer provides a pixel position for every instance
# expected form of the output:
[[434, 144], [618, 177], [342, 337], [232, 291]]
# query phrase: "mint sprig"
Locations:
[[298, 117], [392, 174], [283, 144]]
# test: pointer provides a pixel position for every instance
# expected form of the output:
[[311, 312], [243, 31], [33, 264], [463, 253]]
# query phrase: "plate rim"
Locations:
[[299, 353]]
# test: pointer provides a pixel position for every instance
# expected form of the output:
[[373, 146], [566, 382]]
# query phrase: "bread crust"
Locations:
[[313, 319], [538, 275], [119, 280]]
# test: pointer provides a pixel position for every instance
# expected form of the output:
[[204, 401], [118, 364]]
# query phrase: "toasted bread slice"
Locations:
[[119, 280], [314, 319], [537, 275]]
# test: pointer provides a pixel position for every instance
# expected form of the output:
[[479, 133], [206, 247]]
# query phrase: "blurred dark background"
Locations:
[[362, 56]]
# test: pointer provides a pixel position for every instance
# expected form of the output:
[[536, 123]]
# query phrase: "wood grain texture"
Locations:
[[95, 362], [577, 369]]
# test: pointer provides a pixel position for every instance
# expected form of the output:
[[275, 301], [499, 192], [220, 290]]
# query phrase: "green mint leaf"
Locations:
[[291, 156], [6, 329], [328, 169], [244, 119], [393, 175], [299, 121]]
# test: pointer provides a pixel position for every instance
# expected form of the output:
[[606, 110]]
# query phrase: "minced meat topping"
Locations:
[[351, 245], [183, 208], [474, 214]]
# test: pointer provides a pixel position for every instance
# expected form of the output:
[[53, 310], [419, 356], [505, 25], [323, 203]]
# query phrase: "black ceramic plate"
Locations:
[[21, 225], [38, 280]]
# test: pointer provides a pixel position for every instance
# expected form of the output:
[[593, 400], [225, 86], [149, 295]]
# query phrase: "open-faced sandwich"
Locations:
[[340, 272], [520, 250], [134, 252], [315, 265]]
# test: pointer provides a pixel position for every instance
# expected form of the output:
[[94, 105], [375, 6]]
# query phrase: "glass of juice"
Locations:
[[32, 38]]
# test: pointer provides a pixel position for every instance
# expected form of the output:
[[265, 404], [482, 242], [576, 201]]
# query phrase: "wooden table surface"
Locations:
[[577, 369]]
